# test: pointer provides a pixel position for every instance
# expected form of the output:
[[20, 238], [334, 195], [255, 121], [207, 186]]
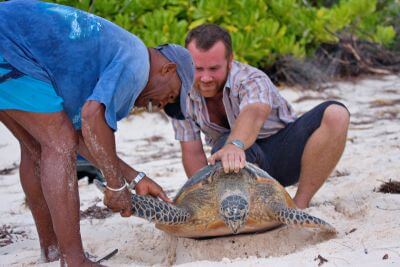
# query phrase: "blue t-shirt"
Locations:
[[83, 56]]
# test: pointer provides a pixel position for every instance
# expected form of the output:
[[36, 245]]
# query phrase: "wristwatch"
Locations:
[[136, 180], [237, 143]]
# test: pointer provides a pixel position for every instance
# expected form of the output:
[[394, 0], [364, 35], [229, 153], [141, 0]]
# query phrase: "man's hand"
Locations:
[[119, 201], [233, 159], [148, 187]]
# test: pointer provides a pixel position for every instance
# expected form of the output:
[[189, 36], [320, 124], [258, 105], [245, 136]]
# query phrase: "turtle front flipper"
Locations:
[[153, 209], [158, 211], [296, 217]]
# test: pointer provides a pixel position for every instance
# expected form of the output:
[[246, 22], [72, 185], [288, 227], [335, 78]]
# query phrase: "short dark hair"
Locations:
[[206, 35]]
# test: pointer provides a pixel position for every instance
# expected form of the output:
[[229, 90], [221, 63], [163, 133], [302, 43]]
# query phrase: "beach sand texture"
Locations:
[[368, 222]]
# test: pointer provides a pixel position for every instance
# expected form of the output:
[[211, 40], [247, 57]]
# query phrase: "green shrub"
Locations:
[[262, 30]]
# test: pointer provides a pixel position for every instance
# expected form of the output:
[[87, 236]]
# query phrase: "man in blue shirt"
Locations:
[[66, 78]]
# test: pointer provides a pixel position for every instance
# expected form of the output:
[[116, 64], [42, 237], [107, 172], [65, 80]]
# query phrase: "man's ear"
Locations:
[[230, 60], [168, 68]]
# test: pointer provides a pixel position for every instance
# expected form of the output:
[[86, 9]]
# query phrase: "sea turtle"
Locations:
[[215, 203]]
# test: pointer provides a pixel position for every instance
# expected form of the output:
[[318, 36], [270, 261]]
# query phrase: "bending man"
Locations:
[[66, 78]]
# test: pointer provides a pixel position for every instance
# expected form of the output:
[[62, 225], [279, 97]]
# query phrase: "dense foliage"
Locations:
[[262, 30]]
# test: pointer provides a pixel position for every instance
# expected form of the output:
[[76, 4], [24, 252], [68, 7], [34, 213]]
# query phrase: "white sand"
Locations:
[[368, 222]]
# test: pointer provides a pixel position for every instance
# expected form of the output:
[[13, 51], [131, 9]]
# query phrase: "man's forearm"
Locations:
[[127, 171], [192, 165], [84, 151], [193, 157], [248, 124], [100, 142]]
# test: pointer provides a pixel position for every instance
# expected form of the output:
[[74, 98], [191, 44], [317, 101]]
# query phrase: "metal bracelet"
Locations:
[[136, 180], [118, 189], [237, 143]]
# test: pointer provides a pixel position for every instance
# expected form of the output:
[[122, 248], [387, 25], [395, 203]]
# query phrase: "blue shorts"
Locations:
[[280, 154], [27, 93]]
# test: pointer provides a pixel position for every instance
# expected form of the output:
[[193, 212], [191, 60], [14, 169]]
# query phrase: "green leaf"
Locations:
[[384, 35]]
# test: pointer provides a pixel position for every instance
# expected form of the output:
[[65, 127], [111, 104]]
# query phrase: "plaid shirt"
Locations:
[[245, 85]]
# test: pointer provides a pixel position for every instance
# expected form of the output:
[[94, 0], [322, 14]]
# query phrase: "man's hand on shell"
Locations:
[[233, 159]]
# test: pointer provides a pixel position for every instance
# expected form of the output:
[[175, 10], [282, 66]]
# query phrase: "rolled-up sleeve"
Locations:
[[186, 130]]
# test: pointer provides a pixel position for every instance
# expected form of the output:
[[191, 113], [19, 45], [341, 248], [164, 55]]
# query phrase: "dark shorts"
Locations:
[[280, 154]]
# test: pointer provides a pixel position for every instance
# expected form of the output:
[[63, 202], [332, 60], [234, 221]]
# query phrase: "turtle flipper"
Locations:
[[296, 217], [153, 209], [158, 211]]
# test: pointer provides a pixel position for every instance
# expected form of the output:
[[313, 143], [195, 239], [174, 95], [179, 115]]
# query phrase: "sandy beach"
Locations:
[[367, 221]]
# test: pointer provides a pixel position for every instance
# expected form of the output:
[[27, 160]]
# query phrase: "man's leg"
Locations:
[[30, 180], [58, 143], [307, 150], [321, 153]]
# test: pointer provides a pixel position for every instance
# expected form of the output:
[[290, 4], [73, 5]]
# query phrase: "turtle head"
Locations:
[[233, 210]]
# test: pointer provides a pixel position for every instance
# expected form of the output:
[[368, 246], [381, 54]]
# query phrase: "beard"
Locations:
[[209, 89], [212, 88]]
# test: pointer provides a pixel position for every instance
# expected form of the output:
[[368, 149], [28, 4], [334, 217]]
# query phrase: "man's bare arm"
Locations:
[[249, 122], [127, 172], [246, 129], [193, 157], [95, 132], [100, 142]]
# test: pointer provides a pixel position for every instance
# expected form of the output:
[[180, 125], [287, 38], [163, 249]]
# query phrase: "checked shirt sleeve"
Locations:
[[186, 130]]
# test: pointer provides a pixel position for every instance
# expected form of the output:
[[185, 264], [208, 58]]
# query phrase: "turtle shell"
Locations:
[[202, 194]]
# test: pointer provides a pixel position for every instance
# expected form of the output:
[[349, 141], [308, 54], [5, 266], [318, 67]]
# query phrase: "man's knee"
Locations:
[[61, 138], [64, 144], [53, 131], [336, 118]]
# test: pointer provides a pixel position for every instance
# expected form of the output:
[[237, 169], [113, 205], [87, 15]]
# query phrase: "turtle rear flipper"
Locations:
[[153, 209], [296, 217]]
